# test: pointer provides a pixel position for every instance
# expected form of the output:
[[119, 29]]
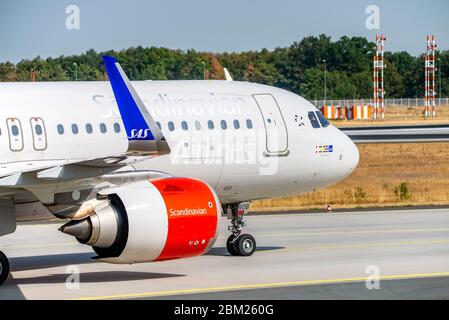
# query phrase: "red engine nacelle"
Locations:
[[147, 221]]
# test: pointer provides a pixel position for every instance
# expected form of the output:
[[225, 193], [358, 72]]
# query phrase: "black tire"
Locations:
[[231, 246], [4, 268], [245, 245]]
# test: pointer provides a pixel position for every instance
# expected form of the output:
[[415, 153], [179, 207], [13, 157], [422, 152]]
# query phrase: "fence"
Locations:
[[402, 102]]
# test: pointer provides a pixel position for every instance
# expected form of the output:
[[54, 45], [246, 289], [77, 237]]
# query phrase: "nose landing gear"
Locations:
[[4, 268], [239, 244]]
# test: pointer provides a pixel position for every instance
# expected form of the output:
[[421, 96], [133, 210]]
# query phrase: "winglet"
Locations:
[[228, 76], [144, 136]]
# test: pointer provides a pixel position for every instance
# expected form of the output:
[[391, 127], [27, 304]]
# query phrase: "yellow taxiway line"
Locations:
[[262, 286]]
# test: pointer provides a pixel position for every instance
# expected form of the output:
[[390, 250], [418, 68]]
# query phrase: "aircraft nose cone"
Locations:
[[352, 156]]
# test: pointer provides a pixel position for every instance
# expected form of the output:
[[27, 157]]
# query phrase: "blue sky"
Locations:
[[29, 28]]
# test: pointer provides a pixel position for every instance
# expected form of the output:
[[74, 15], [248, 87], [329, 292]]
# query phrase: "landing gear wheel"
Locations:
[[4, 268], [230, 245], [245, 245], [239, 244]]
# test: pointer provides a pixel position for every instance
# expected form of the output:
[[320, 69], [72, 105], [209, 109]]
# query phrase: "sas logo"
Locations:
[[324, 149], [140, 134]]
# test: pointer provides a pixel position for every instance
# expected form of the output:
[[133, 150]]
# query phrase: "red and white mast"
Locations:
[[382, 90], [378, 85], [429, 78], [434, 91], [375, 79]]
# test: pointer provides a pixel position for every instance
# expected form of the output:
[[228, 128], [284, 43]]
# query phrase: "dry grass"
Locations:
[[382, 168]]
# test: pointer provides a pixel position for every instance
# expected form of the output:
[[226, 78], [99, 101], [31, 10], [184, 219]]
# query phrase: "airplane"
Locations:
[[147, 170]]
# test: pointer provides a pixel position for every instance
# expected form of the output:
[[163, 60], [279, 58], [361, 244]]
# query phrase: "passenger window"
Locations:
[[89, 128], [197, 125], [323, 120], [60, 129], [224, 125], [249, 124], [117, 128], [313, 120], [38, 130], [15, 130], [75, 128], [171, 126], [184, 125], [236, 124], [210, 125], [159, 125]]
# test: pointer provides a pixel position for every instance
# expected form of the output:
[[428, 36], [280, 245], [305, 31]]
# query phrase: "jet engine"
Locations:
[[150, 220]]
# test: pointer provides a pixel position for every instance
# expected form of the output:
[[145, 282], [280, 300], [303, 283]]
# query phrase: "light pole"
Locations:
[[33, 74], [76, 71], [325, 82], [439, 67], [369, 54], [204, 69]]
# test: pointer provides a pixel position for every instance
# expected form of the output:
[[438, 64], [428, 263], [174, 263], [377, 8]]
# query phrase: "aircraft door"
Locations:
[[39, 134], [276, 129], [15, 134]]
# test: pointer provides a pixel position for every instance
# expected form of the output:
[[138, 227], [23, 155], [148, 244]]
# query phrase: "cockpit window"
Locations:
[[323, 120], [313, 120]]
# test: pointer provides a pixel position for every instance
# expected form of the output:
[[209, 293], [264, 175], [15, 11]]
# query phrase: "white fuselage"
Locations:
[[247, 141]]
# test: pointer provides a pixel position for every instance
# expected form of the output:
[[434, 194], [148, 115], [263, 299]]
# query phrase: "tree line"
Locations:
[[347, 64]]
